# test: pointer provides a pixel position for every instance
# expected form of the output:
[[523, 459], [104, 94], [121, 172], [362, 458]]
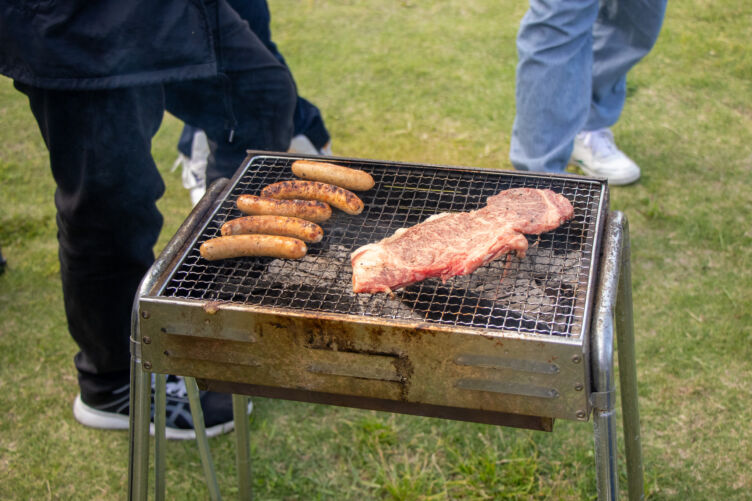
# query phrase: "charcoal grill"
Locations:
[[520, 342]]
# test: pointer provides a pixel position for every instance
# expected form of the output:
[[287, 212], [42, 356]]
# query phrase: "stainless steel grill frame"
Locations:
[[433, 349], [406, 194]]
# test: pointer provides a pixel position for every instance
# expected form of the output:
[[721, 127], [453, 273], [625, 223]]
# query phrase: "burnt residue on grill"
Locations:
[[533, 294], [329, 338], [542, 293]]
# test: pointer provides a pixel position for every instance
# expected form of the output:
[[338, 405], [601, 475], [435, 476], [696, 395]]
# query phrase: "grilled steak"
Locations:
[[450, 244]]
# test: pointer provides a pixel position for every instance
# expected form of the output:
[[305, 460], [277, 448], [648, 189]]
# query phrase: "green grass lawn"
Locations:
[[433, 82]]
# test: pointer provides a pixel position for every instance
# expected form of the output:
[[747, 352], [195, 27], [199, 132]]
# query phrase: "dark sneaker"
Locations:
[[113, 414]]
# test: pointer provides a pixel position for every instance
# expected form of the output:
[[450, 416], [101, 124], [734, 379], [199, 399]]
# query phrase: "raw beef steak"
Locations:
[[450, 244]]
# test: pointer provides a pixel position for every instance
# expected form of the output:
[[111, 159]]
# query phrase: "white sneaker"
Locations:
[[597, 155], [194, 168], [301, 144]]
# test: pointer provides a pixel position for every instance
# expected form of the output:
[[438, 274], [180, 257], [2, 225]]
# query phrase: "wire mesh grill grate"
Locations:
[[543, 293]]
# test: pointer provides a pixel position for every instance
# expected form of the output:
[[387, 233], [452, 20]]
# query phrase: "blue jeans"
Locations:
[[574, 56]]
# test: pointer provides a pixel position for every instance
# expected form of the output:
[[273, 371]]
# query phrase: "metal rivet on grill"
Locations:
[[576, 359], [147, 366], [146, 340], [145, 314], [579, 387], [581, 414]]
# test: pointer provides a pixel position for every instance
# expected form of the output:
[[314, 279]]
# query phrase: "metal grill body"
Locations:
[[505, 345], [517, 343]]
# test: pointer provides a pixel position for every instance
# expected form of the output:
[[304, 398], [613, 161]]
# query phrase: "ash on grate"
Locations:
[[323, 269], [327, 279], [536, 293], [541, 286]]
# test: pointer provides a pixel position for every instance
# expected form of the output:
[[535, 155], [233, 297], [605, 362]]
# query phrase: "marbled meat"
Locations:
[[451, 244]]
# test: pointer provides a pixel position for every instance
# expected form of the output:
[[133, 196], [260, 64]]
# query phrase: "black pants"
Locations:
[[108, 185]]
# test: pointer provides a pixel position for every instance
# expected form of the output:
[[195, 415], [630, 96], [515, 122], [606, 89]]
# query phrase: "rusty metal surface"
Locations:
[[418, 364], [377, 404]]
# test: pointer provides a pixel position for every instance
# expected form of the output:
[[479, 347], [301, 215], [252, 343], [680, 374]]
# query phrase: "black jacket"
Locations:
[[100, 44]]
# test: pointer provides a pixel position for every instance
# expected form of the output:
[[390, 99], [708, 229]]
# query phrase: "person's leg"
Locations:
[[107, 187], [185, 142], [307, 120], [624, 32], [108, 223], [249, 106], [553, 84], [309, 124]]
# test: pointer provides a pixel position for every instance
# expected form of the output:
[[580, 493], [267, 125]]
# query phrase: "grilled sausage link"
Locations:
[[274, 225], [335, 196], [311, 210], [253, 245], [338, 175]]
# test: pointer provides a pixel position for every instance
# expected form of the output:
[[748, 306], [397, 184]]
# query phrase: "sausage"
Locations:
[[274, 225], [253, 245], [338, 175], [311, 210], [335, 196]]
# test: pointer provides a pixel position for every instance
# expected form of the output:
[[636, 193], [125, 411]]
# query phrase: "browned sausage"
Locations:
[[338, 175], [311, 210], [335, 196], [274, 225], [253, 245]]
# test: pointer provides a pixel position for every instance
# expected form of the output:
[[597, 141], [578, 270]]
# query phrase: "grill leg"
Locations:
[[201, 439], [160, 405], [602, 360], [628, 375], [243, 445], [140, 392], [604, 429], [138, 449]]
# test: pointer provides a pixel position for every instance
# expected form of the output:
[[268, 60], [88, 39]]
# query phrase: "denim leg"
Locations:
[[107, 188], [553, 86], [624, 32]]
